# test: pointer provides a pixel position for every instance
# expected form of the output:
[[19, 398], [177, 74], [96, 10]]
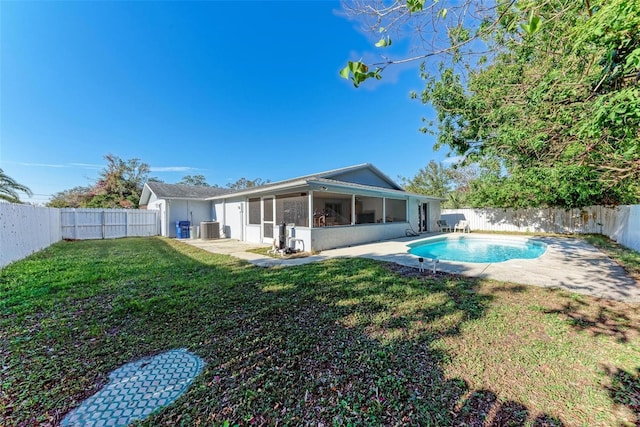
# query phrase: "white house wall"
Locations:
[[335, 237], [253, 233], [194, 211]]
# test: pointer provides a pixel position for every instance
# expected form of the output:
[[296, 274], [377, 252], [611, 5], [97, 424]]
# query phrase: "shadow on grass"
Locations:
[[601, 318], [625, 390], [483, 409], [343, 342]]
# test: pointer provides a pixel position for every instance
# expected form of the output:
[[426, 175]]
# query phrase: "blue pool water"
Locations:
[[465, 249]]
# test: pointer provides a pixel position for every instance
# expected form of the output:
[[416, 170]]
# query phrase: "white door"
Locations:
[[267, 219]]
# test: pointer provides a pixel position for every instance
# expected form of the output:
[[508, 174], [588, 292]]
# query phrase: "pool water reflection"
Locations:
[[480, 250]]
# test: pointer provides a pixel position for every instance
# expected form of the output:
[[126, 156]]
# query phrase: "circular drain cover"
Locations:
[[137, 389]]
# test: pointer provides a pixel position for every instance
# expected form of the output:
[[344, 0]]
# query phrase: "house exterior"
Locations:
[[177, 202], [341, 207]]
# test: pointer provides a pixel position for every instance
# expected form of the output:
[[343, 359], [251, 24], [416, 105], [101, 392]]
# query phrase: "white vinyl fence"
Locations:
[[621, 223], [82, 224], [27, 229]]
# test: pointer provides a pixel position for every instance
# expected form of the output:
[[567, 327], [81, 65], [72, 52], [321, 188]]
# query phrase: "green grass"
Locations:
[[343, 342]]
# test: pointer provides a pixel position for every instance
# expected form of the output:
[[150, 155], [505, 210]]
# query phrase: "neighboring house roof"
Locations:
[[179, 191]]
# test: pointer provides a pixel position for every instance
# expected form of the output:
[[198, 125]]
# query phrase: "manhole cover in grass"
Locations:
[[137, 389]]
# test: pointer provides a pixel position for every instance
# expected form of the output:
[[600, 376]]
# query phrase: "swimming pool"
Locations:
[[477, 249]]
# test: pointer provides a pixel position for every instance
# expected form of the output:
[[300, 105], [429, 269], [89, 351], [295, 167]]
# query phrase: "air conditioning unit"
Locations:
[[209, 230]]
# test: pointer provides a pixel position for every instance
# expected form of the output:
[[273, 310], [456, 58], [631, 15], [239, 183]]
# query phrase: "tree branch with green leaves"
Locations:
[[10, 189], [547, 91]]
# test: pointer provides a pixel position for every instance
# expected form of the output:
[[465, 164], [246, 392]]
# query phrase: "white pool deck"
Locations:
[[568, 263]]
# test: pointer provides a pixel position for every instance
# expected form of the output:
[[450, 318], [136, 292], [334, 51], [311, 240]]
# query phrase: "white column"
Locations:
[[311, 209], [353, 209], [384, 210]]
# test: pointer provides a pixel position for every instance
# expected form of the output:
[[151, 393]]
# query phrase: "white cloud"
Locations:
[[93, 166], [173, 169], [87, 165], [42, 165], [59, 165]]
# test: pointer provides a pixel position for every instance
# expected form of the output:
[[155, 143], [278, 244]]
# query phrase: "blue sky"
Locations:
[[222, 89]]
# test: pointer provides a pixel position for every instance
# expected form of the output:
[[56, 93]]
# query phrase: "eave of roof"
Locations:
[[304, 180], [322, 184]]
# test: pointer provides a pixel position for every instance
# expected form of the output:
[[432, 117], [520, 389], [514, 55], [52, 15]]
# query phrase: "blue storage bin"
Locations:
[[182, 229]]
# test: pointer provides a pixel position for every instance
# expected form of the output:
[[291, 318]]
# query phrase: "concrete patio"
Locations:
[[569, 264]]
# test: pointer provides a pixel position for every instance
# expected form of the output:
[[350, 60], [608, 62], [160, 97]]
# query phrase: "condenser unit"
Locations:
[[209, 230]]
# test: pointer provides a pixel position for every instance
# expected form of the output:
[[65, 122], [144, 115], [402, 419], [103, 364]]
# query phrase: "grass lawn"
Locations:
[[343, 342]]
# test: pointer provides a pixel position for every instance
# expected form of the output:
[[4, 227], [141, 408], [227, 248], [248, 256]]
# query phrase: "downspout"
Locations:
[[224, 217], [242, 225], [167, 222]]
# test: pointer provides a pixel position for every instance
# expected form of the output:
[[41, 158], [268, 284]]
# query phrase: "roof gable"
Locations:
[[366, 174], [359, 175]]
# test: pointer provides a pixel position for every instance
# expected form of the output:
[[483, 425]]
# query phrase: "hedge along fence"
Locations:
[[27, 229], [621, 223]]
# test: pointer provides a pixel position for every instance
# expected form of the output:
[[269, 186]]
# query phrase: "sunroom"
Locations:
[[333, 209]]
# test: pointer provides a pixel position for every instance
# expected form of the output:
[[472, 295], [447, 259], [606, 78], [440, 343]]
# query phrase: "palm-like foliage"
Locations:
[[9, 188]]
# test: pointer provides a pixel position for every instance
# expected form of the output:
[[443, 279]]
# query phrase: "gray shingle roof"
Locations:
[[181, 191], [328, 175]]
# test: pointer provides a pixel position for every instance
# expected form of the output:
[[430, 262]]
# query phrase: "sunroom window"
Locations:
[[395, 210]]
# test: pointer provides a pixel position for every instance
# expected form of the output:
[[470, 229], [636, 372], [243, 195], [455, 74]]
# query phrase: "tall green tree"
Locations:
[[552, 110], [432, 180], [198, 180], [10, 188], [243, 183], [119, 184], [451, 183], [75, 197], [551, 99]]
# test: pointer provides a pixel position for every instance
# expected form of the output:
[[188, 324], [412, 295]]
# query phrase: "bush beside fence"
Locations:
[[621, 223]]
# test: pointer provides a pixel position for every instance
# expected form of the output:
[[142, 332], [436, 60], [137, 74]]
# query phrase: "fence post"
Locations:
[[103, 224], [75, 224]]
